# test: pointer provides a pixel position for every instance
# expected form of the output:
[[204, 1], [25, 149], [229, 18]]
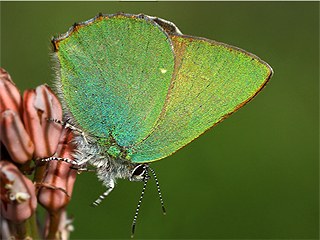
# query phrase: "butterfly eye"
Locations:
[[138, 173]]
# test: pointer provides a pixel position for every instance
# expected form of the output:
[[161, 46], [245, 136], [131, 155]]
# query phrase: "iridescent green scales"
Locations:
[[211, 80], [112, 77], [148, 88]]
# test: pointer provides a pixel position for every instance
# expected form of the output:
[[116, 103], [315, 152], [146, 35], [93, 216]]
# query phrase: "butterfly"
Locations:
[[137, 90]]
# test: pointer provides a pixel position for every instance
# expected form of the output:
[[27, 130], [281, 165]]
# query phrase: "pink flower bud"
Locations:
[[18, 199], [34, 137], [5, 75], [57, 186], [12, 132], [14, 137], [9, 94], [39, 106]]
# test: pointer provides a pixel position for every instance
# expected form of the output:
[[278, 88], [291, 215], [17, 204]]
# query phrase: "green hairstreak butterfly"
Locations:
[[138, 90]]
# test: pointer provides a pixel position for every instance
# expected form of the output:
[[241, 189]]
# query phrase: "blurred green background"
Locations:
[[254, 176]]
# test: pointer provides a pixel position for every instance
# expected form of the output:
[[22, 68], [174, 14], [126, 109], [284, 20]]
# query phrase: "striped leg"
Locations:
[[68, 125], [83, 169], [102, 196], [67, 160]]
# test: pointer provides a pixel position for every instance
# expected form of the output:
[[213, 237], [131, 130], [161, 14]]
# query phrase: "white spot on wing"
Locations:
[[163, 71]]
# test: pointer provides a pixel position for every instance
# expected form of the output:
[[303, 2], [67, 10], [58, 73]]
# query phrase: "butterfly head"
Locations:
[[139, 173]]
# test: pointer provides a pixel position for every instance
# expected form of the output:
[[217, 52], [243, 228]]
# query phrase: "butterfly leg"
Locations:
[[67, 160], [106, 193], [71, 127], [82, 169]]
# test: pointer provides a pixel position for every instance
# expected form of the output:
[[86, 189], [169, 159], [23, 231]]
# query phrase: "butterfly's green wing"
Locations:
[[115, 72], [211, 80], [136, 80]]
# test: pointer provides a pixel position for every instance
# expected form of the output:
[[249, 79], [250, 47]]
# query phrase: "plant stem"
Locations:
[[32, 228], [54, 222]]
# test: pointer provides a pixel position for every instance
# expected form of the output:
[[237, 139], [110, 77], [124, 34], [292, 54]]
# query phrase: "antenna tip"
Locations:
[[132, 230], [164, 211]]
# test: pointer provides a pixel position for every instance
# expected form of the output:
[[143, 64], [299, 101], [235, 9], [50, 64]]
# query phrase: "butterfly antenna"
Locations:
[[146, 178], [159, 191]]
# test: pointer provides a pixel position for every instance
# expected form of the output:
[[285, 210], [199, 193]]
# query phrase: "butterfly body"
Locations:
[[109, 166]]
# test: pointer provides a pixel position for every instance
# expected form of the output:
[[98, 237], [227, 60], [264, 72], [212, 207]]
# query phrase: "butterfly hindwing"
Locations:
[[211, 80]]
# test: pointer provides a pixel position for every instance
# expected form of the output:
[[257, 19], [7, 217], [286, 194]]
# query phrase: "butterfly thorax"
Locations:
[[106, 156], [111, 148]]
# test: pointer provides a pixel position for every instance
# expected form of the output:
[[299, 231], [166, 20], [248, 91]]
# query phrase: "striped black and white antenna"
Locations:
[[159, 191], [146, 178], [145, 181]]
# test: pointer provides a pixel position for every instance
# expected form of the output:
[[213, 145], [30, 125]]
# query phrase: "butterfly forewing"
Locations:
[[122, 67]]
